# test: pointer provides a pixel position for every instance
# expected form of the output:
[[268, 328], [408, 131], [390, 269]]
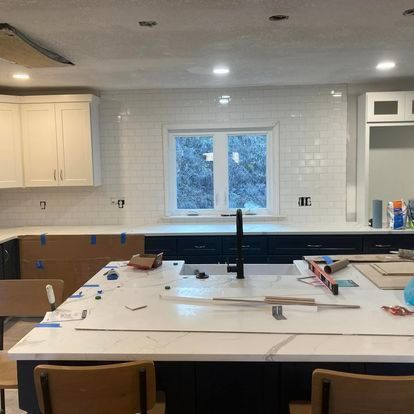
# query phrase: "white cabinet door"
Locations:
[[11, 170], [74, 142], [409, 106], [39, 145], [386, 106]]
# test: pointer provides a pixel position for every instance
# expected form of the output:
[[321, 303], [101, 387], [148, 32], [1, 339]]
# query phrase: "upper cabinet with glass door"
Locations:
[[386, 106], [409, 106]]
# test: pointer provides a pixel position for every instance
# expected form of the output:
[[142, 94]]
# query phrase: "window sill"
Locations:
[[220, 219]]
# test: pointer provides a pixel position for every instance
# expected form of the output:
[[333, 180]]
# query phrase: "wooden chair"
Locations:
[[342, 393], [125, 388], [21, 298]]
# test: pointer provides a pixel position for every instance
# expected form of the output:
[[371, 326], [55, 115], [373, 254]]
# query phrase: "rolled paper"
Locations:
[[334, 267]]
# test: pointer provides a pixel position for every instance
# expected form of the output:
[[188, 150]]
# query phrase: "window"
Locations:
[[210, 172]]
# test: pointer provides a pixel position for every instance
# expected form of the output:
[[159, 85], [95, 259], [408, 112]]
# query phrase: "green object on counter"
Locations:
[[97, 297]]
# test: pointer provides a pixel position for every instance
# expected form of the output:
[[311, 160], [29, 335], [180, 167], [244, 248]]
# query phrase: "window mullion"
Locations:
[[220, 173]]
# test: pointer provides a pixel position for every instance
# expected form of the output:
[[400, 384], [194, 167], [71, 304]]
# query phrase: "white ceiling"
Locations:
[[324, 41]]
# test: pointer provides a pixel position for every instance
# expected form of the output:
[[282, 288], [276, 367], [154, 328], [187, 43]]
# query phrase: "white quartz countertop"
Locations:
[[67, 342], [168, 229]]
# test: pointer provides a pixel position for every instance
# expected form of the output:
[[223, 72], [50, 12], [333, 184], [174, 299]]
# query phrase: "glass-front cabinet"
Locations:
[[409, 106], [387, 107]]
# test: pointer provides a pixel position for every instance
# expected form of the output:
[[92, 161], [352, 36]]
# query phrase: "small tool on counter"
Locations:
[[201, 275], [277, 312], [397, 310], [112, 274], [51, 297]]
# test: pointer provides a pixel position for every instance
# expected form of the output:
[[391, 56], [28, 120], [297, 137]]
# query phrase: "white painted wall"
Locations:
[[313, 139]]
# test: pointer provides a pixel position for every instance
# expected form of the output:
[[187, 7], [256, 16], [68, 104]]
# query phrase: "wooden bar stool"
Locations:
[[339, 392], [21, 298], [126, 388]]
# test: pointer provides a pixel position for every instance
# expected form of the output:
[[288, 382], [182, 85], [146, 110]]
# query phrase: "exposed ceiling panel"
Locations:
[[323, 41]]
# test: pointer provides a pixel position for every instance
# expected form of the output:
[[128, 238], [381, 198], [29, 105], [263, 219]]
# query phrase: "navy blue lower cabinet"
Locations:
[[9, 260], [199, 246], [384, 243], [157, 244]]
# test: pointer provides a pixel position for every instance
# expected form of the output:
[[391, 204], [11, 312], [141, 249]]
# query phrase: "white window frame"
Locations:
[[219, 133]]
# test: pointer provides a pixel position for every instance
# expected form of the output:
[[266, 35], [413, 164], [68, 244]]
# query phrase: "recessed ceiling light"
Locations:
[[409, 12], [278, 17], [148, 23], [336, 94], [386, 65], [224, 99], [21, 76], [221, 70]]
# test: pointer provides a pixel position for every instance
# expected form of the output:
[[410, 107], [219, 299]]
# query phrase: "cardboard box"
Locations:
[[74, 258], [146, 261]]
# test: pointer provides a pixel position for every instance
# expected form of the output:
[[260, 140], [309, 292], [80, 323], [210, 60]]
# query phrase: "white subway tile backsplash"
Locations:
[[312, 127]]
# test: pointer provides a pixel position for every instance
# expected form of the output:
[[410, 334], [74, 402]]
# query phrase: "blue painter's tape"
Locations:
[[123, 238], [43, 239], [327, 259], [93, 239], [48, 325], [39, 264], [111, 267], [76, 296], [91, 285]]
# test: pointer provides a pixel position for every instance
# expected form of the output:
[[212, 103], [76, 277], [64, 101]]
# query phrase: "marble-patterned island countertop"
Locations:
[[67, 342], [201, 229]]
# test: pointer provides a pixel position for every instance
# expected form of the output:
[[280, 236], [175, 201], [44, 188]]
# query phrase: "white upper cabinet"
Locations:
[[409, 106], [386, 106], [74, 143], [61, 141], [39, 145], [11, 169]]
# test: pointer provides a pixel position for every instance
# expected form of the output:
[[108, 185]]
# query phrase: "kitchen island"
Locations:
[[215, 371]]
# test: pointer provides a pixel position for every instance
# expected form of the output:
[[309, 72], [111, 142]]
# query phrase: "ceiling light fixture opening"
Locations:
[[148, 23], [386, 65], [21, 76], [278, 17], [336, 94], [224, 99], [221, 70]]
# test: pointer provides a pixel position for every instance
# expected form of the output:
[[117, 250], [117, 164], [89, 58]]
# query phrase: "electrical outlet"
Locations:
[[305, 201], [118, 201], [43, 205]]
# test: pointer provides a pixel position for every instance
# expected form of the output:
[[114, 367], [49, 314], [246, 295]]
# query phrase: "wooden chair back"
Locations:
[[342, 393], [27, 297], [125, 388]]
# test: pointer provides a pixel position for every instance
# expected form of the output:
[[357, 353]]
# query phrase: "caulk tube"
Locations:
[[51, 297]]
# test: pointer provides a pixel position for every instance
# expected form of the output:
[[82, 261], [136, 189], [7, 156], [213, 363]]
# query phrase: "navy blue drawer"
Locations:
[[199, 246], [252, 245], [383, 243], [155, 245], [314, 245]]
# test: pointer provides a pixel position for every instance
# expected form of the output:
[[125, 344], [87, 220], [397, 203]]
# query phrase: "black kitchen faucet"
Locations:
[[239, 268]]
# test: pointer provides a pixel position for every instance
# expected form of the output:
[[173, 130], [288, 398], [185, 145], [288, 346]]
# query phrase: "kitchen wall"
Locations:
[[313, 139]]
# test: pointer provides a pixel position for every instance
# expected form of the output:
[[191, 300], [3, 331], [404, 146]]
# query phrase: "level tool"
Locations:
[[324, 277]]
